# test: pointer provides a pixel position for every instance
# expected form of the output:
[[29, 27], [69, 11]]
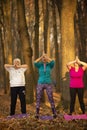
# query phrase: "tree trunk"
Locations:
[[2, 59], [46, 19], [57, 68], [27, 51], [81, 32], [7, 37], [16, 45], [36, 42], [68, 42]]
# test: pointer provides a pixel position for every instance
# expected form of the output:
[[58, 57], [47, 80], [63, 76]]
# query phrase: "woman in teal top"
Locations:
[[44, 65]]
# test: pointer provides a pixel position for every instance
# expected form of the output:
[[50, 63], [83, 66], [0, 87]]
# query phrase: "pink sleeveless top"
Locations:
[[76, 78]]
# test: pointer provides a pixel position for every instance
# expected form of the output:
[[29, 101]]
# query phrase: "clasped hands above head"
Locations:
[[44, 55], [77, 60]]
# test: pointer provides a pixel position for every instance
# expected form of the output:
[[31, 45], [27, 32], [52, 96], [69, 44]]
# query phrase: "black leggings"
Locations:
[[73, 92], [14, 92]]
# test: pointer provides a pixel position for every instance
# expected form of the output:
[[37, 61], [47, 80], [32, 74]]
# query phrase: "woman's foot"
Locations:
[[37, 113], [54, 116], [37, 116], [69, 113], [83, 112]]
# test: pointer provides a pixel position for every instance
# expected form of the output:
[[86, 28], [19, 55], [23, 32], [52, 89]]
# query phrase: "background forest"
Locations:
[[30, 27]]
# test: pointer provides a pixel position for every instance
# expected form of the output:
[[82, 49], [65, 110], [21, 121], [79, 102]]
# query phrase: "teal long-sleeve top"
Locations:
[[44, 72]]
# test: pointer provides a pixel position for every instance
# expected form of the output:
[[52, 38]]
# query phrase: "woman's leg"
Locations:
[[13, 100], [80, 97], [50, 97], [22, 99], [72, 99], [38, 97]]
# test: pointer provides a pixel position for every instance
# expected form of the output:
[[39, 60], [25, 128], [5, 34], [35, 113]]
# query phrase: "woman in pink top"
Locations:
[[76, 73]]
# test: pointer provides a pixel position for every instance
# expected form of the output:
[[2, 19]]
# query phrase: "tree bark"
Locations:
[[57, 70], [68, 42], [7, 37], [27, 51], [46, 20]]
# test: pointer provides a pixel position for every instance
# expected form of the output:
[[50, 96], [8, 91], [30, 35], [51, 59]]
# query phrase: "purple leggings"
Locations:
[[40, 89]]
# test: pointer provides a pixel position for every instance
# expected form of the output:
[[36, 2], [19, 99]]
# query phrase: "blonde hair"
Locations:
[[17, 59]]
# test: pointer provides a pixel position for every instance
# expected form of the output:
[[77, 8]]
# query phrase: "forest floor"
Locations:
[[29, 122]]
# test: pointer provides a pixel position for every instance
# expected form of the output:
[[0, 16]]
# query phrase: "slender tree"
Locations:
[[7, 28], [57, 68], [36, 27], [7, 39], [2, 59], [36, 39], [16, 45], [81, 22], [27, 50], [46, 21]]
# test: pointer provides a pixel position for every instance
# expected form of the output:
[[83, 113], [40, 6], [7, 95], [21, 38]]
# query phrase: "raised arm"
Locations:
[[84, 64], [23, 66], [39, 59], [8, 65], [69, 64], [44, 55], [47, 58]]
